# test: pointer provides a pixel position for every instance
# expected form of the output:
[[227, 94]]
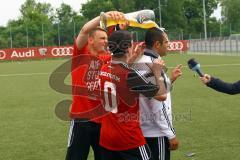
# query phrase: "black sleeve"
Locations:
[[221, 86], [138, 83]]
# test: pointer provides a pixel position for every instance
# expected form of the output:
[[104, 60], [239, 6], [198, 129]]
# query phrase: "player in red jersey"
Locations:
[[90, 53], [121, 137]]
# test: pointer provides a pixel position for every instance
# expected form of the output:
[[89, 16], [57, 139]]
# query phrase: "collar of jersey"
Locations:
[[151, 53], [118, 62]]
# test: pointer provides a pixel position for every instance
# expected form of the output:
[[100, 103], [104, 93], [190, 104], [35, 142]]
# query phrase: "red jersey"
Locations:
[[86, 83], [120, 128]]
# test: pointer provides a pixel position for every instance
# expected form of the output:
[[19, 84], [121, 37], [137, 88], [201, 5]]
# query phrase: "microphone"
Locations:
[[195, 66]]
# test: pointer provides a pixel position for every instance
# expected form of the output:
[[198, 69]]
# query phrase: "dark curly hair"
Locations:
[[119, 42]]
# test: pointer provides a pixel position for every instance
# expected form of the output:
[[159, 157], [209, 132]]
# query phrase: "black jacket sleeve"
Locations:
[[221, 86], [139, 83]]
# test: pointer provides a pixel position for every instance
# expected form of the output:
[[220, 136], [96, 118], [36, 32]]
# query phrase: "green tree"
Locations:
[[93, 8], [4, 37], [196, 24], [230, 15], [37, 23], [124, 6], [69, 24], [172, 11]]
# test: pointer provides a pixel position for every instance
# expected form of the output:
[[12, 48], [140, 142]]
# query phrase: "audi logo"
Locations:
[[2, 55], [63, 51], [175, 46]]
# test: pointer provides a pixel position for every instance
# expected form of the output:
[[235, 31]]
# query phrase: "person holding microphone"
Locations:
[[212, 82], [221, 86]]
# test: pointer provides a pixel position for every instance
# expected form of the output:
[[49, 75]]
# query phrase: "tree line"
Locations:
[[41, 25]]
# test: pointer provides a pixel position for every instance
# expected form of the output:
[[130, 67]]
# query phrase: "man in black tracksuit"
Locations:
[[221, 86]]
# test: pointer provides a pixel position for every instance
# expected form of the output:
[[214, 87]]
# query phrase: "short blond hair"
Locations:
[[93, 31]]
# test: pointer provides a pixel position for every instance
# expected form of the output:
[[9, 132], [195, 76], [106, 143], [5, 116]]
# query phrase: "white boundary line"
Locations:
[[213, 65], [220, 65], [33, 74], [22, 74]]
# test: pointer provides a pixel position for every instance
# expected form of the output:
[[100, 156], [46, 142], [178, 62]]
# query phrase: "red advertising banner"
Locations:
[[177, 46], [35, 53], [64, 51]]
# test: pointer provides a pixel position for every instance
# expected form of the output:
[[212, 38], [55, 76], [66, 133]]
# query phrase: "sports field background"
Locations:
[[207, 122]]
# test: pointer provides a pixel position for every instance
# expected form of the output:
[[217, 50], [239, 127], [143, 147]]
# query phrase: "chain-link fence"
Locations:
[[24, 36], [216, 46], [64, 34]]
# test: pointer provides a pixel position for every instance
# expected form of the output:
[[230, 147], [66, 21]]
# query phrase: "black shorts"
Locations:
[[140, 153], [159, 147], [82, 135]]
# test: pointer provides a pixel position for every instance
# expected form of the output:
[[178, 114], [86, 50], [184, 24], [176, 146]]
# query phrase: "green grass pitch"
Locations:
[[207, 122]]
